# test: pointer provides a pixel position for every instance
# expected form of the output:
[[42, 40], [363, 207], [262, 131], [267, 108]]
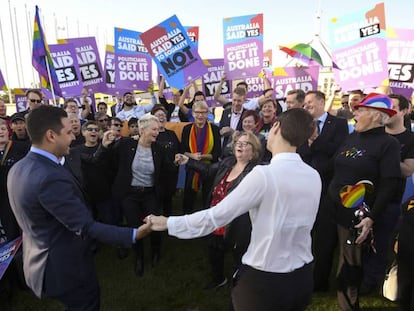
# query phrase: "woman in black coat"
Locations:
[[226, 175]]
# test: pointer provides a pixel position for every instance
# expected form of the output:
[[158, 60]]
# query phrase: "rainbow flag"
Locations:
[[41, 58]]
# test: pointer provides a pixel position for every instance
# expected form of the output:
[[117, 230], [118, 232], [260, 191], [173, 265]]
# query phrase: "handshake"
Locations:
[[151, 223]]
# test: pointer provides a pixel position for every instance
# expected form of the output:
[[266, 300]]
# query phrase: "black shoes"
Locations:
[[216, 285], [139, 267]]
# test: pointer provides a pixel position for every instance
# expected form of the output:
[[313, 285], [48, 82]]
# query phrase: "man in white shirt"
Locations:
[[282, 199], [131, 109]]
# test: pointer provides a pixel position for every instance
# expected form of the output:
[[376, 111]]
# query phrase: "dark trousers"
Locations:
[[349, 276], [83, 297], [325, 240], [190, 195], [267, 291], [375, 264], [216, 252], [136, 206]]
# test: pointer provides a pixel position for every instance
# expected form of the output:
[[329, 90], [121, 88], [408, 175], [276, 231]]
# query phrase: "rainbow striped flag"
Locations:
[[41, 58]]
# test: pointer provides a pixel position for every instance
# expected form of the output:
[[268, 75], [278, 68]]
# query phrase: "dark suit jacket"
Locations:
[[225, 121], [319, 154], [57, 226], [123, 153]]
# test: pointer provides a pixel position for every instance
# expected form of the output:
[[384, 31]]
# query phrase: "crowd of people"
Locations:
[[274, 188]]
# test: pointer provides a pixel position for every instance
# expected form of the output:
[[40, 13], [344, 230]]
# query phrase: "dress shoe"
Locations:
[[139, 267], [122, 252], [216, 285]]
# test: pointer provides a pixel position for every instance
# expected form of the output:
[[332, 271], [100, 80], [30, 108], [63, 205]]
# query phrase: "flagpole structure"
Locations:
[[18, 48], [5, 65], [14, 46], [51, 83], [29, 32]]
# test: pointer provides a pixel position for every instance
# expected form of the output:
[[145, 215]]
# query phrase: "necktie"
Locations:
[[318, 126]]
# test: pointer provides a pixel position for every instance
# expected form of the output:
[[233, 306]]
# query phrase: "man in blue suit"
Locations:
[[57, 225]]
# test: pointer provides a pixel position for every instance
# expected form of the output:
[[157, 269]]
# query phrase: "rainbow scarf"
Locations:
[[201, 140]]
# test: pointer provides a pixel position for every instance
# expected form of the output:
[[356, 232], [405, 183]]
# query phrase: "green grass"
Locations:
[[174, 285]]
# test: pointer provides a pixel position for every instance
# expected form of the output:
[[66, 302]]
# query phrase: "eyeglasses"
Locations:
[[39, 101], [92, 129], [200, 112], [103, 120], [243, 144], [117, 125]]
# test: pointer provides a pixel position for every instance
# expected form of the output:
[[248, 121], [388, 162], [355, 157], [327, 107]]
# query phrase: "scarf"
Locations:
[[201, 140], [6, 151]]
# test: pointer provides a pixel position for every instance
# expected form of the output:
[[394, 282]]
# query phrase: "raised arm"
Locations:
[[217, 92]]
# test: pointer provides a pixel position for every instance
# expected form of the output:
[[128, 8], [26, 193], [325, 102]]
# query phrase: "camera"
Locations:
[[359, 214]]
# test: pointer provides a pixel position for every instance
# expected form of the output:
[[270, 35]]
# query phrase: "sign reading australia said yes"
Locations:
[[67, 68], [133, 68], [359, 48], [173, 52], [89, 63], [243, 46]]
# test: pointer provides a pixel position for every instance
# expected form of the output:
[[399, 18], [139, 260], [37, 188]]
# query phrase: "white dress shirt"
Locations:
[[282, 199]]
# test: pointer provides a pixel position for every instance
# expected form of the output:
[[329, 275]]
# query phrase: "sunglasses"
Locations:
[[92, 129], [39, 101]]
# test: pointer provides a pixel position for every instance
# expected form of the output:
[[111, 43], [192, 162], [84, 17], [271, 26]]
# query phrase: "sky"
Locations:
[[285, 22]]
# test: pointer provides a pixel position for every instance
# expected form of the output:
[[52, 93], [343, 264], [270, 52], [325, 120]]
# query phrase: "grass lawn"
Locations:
[[175, 284]]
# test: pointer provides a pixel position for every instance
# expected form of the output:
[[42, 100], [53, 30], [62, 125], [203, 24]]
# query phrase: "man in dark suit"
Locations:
[[329, 134], [231, 117], [57, 226]]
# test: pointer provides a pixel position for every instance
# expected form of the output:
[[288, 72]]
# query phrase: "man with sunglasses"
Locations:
[[34, 100]]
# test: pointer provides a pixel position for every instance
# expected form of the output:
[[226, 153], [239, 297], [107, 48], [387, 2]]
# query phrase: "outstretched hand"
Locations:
[[157, 223], [143, 231]]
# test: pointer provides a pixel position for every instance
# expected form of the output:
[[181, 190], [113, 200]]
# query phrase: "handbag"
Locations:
[[390, 286]]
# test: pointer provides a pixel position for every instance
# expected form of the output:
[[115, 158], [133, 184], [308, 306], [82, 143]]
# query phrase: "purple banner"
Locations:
[[173, 52], [243, 46], [109, 68], [291, 78], [400, 46], [211, 79], [7, 253], [67, 68], [20, 99], [3, 86], [133, 65], [89, 63], [359, 48]]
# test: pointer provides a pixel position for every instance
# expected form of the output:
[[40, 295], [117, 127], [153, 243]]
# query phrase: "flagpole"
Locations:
[[14, 45], [18, 47], [51, 83], [5, 65], [29, 33]]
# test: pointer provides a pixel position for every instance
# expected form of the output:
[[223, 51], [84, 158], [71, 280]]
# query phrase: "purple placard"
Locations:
[[109, 68], [20, 99], [89, 63], [3, 86], [133, 72], [400, 46], [67, 68], [7, 253], [359, 48], [243, 46], [211, 79], [291, 78], [173, 52]]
